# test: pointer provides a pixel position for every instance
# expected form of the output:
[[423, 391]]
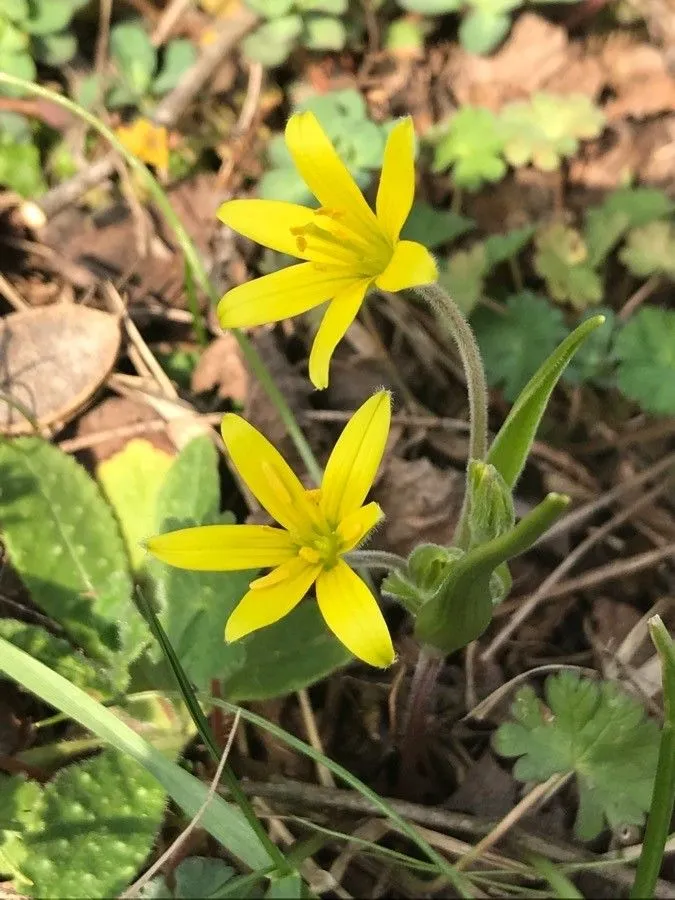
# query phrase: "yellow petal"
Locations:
[[268, 475], [280, 295], [223, 548], [397, 182], [352, 614], [357, 525], [324, 173], [267, 222], [338, 317], [411, 265], [265, 605], [353, 464]]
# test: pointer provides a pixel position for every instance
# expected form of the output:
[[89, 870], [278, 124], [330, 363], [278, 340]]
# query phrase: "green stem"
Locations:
[[376, 559], [663, 796], [192, 259], [476, 384]]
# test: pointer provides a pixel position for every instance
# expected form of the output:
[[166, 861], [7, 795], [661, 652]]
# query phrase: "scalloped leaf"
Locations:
[[62, 539], [98, 823]]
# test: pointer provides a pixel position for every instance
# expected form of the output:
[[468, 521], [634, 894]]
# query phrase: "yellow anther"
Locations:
[[310, 555]]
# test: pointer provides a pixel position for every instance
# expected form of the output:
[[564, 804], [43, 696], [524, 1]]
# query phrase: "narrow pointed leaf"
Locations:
[[510, 448], [222, 820]]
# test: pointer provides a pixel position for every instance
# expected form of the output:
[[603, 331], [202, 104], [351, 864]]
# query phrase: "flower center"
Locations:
[[322, 548], [328, 240]]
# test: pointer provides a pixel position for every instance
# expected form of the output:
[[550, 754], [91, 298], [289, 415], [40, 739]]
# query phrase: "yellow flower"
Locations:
[[346, 246], [317, 528], [149, 142]]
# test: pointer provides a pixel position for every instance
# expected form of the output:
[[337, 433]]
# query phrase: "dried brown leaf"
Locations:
[[53, 359]]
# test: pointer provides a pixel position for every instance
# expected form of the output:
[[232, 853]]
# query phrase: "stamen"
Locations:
[[310, 555]]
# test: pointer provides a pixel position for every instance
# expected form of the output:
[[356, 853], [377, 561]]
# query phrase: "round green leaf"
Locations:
[[480, 31], [134, 55], [323, 33]]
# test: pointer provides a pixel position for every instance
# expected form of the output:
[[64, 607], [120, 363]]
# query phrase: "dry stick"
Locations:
[[167, 112], [311, 796], [582, 513], [104, 14], [527, 608], [309, 720], [168, 20], [612, 571], [184, 835], [530, 801], [85, 441], [10, 293]]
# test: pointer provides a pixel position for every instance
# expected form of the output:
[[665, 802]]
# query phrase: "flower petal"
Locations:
[[353, 464], [268, 475], [352, 614], [357, 525], [266, 605], [411, 265], [280, 295], [223, 548], [324, 173], [338, 317], [397, 182], [267, 222]]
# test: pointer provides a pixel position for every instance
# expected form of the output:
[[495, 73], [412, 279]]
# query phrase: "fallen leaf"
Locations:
[[52, 360], [118, 414], [221, 368], [421, 503]]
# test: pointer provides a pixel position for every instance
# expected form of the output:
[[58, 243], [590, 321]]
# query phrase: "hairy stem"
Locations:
[[429, 664], [376, 559], [459, 329]]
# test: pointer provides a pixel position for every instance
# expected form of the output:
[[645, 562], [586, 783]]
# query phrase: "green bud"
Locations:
[[491, 511], [428, 566], [461, 609]]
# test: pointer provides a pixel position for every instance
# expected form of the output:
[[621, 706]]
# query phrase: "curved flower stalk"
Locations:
[[317, 528], [346, 247]]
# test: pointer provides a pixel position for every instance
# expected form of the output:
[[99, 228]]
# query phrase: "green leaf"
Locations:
[[323, 33], [295, 652], [272, 42], [405, 34], [20, 802], [20, 64], [511, 446], [481, 30], [58, 654], [98, 823], [190, 492], [134, 55], [15, 10], [287, 887], [131, 480], [561, 258], [514, 345], [270, 9], [63, 541], [433, 227], [645, 350], [285, 184], [195, 878], [55, 49], [500, 247], [179, 56], [331, 7], [547, 128], [473, 145], [623, 209], [220, 819], [650, 250], [430, 7], [462, 275], [48, 16], [594, 730], [21, 169], [594, 360]]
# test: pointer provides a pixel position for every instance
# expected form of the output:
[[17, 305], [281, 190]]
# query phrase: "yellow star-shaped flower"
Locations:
[[317, 528], [346, 246]]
